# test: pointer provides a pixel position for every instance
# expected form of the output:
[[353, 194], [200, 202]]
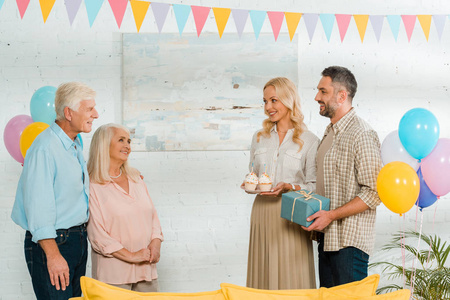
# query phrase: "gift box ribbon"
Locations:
[[308, 196]]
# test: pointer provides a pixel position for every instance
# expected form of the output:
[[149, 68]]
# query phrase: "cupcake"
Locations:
[[251, 181], [265, 183]]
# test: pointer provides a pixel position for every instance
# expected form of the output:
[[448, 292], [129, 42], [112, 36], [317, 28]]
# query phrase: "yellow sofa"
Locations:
[[361, 290]]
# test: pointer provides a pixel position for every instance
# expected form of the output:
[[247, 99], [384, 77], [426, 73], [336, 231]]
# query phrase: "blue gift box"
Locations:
[[298, 205]]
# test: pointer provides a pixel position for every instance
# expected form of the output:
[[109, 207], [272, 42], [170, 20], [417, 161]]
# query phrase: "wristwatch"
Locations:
[[293, 187]]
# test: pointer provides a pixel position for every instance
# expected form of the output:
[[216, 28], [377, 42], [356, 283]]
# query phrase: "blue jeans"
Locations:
[[338, 267], [72, 244]]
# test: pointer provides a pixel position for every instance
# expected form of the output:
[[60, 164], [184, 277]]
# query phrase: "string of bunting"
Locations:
[[240, 17]]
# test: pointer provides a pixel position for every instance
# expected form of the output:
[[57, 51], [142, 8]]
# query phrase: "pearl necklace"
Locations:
[[114, 177]]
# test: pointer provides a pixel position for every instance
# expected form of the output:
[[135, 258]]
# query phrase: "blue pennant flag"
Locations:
[[394, 23], [327, 24], [181, 14], [257, 17], [92, 8]]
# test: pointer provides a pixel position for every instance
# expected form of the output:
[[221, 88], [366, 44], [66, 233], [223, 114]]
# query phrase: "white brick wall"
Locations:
[[204, 214]]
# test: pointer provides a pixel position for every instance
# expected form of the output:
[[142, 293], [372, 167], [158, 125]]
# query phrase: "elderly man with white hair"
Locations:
[[52, 197]]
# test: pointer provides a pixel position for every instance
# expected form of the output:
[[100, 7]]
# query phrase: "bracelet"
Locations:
[[293, 187]]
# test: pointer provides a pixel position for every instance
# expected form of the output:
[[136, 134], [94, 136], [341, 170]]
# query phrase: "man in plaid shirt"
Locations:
[[348, 163]]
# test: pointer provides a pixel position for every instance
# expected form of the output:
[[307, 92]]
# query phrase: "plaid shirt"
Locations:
[[351, 167]]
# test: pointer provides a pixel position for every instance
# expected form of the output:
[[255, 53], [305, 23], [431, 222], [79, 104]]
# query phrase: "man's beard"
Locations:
[[328, 111]]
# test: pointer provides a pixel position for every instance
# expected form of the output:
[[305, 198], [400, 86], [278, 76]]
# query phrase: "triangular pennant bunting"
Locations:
[[240, 18], [327, 24], [72, 7], [139, 9], [394, 23], [361, 23], [200, 14], [343, 21], [181, 15], [160, 11], [377, 25], [92, 8], [118, 7], [425, 22], [257, 17], [221, 15], [22, 5], [439, 22], [46, 8], [276, 19], [310, 22], [292, 20], [409, 21]]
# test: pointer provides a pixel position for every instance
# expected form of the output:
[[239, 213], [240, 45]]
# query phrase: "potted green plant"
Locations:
[[431, 276]]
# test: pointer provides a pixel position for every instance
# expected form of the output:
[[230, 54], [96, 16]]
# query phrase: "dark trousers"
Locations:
[[72, 244], [343, 266]]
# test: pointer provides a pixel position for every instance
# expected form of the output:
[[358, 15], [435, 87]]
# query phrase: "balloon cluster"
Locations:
[[21, 130], [417, 163]]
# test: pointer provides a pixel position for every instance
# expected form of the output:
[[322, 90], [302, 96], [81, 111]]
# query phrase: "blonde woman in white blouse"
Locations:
[[280, 252]]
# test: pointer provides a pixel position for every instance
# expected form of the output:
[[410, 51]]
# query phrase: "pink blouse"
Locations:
[[121, 220]]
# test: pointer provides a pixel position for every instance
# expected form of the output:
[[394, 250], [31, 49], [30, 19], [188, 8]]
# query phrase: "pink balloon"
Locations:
[[436, 168], [12, 133]]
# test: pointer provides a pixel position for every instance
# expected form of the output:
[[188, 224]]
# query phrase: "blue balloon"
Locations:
[[42, 105], [419, 132], [426, 196]]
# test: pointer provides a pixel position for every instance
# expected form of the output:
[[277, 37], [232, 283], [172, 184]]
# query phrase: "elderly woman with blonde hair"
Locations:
[[123, 228]]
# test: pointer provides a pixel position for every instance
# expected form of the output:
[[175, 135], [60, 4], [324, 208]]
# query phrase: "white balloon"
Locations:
[[393, 150]]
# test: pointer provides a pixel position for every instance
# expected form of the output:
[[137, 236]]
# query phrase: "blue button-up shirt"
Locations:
[[54, 186]]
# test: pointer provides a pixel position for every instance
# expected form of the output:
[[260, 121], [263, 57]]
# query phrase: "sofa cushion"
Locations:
[[96, 290], [328, 294], [365, 287]]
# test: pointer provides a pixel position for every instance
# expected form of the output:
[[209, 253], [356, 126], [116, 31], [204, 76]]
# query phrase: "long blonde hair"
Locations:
[[99, 159], [288, 95]]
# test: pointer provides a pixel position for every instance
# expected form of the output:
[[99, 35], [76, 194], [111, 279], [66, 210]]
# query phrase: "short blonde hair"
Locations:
[[288, 95], [99, 156], [70, 95]]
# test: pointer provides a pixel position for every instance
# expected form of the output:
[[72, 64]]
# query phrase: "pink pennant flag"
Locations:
[[200, 14], [343, 21], [118, 7], [22, 5], [276, 19], [409, 21]]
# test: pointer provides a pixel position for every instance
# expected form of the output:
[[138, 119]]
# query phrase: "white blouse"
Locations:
[[284, 163]]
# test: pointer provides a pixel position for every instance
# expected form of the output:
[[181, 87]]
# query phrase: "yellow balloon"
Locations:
[[398, 186], [29, 134]]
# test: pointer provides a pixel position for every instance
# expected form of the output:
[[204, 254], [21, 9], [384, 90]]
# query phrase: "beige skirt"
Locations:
[[280, 254]]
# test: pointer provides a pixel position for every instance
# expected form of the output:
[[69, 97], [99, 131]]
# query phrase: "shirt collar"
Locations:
[[343, 122], [274, 129], [65, 139]]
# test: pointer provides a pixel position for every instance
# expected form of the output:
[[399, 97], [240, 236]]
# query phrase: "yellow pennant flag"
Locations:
[[361, 23], [425, 22], [139, 11], [221, 15], [292, 20], [46, 7]]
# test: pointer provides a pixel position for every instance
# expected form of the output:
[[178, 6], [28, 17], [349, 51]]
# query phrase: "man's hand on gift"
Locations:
[[321, 219]]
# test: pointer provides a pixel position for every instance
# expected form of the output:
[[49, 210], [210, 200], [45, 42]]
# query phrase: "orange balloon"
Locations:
[[398, 186], [29, 134]]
